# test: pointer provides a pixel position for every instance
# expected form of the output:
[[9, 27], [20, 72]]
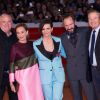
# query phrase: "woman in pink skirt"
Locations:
[[24, 67]]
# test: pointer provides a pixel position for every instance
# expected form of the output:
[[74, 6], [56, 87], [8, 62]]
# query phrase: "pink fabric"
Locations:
[[30, 85], [11, 77]]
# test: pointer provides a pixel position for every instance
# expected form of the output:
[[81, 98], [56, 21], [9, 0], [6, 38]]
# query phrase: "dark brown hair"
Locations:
[[43, 22], [68, 15], [21, 25]]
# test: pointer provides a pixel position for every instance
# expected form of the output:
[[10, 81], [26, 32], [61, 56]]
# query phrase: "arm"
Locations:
[[63, 54], [12, 70]]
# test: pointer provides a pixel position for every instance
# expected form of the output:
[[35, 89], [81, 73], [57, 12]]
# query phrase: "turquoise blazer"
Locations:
[[49, 67]]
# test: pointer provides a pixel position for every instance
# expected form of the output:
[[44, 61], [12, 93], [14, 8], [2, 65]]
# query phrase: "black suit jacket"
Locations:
[[5, 46], [97, 53], [97, 48], [1, 62]]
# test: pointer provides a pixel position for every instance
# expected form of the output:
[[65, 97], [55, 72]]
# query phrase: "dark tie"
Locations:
[[92, 47]]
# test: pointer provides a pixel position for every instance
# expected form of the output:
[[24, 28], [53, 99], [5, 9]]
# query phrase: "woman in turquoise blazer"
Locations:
[[49, 50]]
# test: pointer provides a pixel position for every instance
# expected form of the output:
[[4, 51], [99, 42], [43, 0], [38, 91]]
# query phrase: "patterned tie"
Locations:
[[92, 47]]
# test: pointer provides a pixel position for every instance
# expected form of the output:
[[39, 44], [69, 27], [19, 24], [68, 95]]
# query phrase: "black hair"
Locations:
[[43, 22]]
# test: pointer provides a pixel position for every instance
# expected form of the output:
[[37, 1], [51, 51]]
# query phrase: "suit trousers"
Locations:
[[78, 85], [96, 81], [53, 91], [5, 84]]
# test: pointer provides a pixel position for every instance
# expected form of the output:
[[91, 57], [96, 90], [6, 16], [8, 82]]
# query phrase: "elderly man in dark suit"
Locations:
[[7, 39], [75, 45], [94, 48]]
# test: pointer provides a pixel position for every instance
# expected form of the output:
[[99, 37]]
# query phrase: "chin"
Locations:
[[47, 35], [70, 31]]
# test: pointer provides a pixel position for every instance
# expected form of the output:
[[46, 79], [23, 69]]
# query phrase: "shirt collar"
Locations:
[[96, 29]]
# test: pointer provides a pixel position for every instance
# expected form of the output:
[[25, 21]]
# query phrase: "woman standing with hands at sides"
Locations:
[[24, 68], [49, 50]]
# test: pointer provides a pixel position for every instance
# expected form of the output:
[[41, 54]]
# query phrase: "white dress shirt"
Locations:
[[96, 34]]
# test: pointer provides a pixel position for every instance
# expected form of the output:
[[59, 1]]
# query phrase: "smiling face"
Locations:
[[5, 23], [47, 30], [94, 19], [21, 34], [69, 24]]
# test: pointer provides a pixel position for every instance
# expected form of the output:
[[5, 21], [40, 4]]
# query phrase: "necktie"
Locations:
[[92, 47]]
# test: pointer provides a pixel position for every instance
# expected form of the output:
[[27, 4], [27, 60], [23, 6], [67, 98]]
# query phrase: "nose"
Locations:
[[69, 27]]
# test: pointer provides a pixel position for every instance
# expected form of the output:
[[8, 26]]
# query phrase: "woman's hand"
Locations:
[[12, 87]]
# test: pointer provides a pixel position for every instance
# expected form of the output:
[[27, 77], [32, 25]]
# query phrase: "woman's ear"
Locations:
[[27, 33], [52, 29]]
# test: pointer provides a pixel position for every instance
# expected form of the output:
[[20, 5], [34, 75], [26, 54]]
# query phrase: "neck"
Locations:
[[47, 37], [24, 41]]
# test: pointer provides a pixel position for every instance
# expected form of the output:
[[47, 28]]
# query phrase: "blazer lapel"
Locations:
[[40, 48], [67, 40], [98, 39], [56, 48], [88, 36], [43, 52]]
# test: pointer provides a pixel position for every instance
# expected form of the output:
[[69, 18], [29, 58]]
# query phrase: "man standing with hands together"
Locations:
[[75, 44], [94, 48]]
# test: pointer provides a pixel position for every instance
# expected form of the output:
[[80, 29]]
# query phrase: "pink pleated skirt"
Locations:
[[30, 84]]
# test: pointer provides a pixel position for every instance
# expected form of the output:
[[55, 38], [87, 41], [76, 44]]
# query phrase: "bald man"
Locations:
[[7, 39]]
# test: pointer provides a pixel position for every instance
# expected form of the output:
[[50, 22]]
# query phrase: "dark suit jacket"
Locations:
[[5, 46], [97, 48], [77, 58], [1, 62]]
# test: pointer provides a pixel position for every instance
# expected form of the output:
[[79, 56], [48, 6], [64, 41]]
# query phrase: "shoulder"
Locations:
[[37, 42], [63, 35], [56, 38], [15, 45], [83, 29], [30, 42]]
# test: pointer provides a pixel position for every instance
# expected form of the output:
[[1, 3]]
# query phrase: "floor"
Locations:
[[67, 93]]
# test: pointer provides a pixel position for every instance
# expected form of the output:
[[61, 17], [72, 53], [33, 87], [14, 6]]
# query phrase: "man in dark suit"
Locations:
[[75, 45], [7, 39], [94, 48]]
